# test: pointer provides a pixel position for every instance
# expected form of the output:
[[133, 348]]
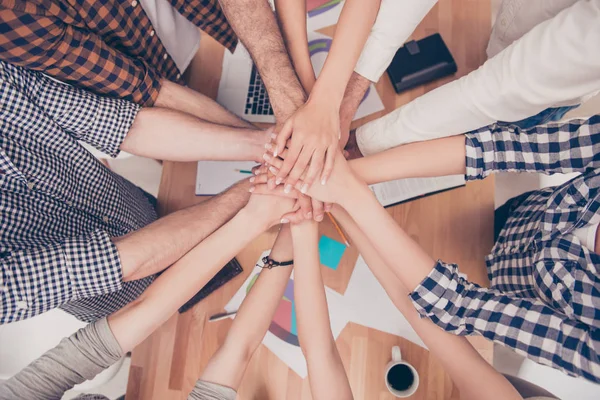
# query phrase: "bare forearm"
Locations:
[[437, 157], [179, 283], [256, 26], [475, 378], [311, 304], [184, 99], [352, 30], [355, 92], [409, 262], [326, 371], [291, 15], [167, 134], [158, 245], [252, 320]]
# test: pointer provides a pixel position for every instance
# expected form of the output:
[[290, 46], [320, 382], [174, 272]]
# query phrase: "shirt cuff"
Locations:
[[480, 154], [112, 122], [374, 59], [438, 297], [93, 265]]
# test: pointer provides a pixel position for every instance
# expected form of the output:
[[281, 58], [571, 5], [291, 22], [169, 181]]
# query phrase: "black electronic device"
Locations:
[[420, 62], [227, 273]]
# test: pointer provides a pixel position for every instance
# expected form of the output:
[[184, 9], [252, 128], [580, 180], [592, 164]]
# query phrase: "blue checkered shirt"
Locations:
[[59, 206], [544, 296]]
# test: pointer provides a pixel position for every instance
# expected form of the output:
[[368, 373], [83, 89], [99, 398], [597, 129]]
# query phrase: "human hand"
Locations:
[[314, 208], [268, 208], [313, 133], [340, 184]]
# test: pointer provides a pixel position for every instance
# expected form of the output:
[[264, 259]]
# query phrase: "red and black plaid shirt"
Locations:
[[107, 47]]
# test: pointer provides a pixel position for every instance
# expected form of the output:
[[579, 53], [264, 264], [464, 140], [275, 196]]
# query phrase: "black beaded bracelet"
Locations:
[[269, 263]]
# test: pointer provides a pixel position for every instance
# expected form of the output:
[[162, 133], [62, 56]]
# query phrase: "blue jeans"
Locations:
[[548, 115]]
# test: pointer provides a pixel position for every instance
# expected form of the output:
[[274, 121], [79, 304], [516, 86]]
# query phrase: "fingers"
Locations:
[[278, 191], [317, 210], [259, 179], [282, 137], [293, 217], [288, 163], [298, 169], [329, 162], [327, 207], [316, 165], [273, 161]]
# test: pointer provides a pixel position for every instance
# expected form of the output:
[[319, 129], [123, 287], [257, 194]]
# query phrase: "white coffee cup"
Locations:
[[397, 361]]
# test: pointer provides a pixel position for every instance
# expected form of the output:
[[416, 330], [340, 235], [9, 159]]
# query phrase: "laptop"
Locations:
[[241, 89]]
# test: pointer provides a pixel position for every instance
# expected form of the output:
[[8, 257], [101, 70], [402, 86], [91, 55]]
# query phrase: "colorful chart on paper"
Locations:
[[284, 321], [316, 7]]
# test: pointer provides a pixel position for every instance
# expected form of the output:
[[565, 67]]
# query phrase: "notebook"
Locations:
[[402, 190]]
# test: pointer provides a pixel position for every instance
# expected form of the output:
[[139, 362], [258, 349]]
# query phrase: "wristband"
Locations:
[[269, 263]]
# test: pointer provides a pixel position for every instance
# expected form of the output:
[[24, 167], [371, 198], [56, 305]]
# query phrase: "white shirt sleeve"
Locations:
[[396, 21], [557, 62]]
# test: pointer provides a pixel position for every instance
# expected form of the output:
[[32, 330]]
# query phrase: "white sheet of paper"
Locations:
[[213, 177], [393, 192], [327, 16], [290, 354], [371, 307]]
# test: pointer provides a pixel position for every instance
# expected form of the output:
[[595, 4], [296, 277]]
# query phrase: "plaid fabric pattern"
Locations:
[[59, 206], [544, 298], [107, 47]]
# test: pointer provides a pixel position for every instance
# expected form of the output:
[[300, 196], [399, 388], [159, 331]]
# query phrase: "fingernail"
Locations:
[[273, 136], [284, 220], [323, 181], [257, 171], [266, 157], [304, 188], [251, 189], [268, 146], [273, 170], [275, 152], [308, 215], [287, 189], [278, 181], [319, 218], [252, 179]]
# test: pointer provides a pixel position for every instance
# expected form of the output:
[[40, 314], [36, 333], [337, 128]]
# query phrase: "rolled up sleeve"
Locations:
[[34, 281], [529, 326]]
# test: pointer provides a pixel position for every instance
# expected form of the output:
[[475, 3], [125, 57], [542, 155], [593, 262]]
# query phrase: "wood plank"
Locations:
[[455, 226]]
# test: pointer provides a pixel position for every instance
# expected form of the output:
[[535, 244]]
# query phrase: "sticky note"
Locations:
[[330, 252]]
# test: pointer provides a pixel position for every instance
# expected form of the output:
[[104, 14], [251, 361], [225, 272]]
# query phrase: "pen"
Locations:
[[220, 316], [243, 171], [338, 229]]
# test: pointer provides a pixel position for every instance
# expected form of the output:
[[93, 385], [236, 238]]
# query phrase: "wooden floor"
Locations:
[[455, 226]]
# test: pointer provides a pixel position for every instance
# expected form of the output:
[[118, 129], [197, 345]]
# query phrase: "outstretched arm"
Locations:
[[95, 347], [256, 26], [488, 150], [228, 364], [291, 15], [327, 377], [475, 378], [315, 128]]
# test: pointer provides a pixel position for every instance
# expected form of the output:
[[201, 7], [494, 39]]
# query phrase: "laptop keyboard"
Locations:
[[257, 100]]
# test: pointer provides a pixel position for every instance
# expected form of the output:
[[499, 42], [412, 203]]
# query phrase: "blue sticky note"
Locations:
[[330, 252]]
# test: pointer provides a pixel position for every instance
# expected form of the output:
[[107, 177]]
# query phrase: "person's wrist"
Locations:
[[253, 220], [326, 95], [354, 192]]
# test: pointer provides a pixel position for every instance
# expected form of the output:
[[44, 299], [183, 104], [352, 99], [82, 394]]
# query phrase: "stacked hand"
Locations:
[[340, 180]]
